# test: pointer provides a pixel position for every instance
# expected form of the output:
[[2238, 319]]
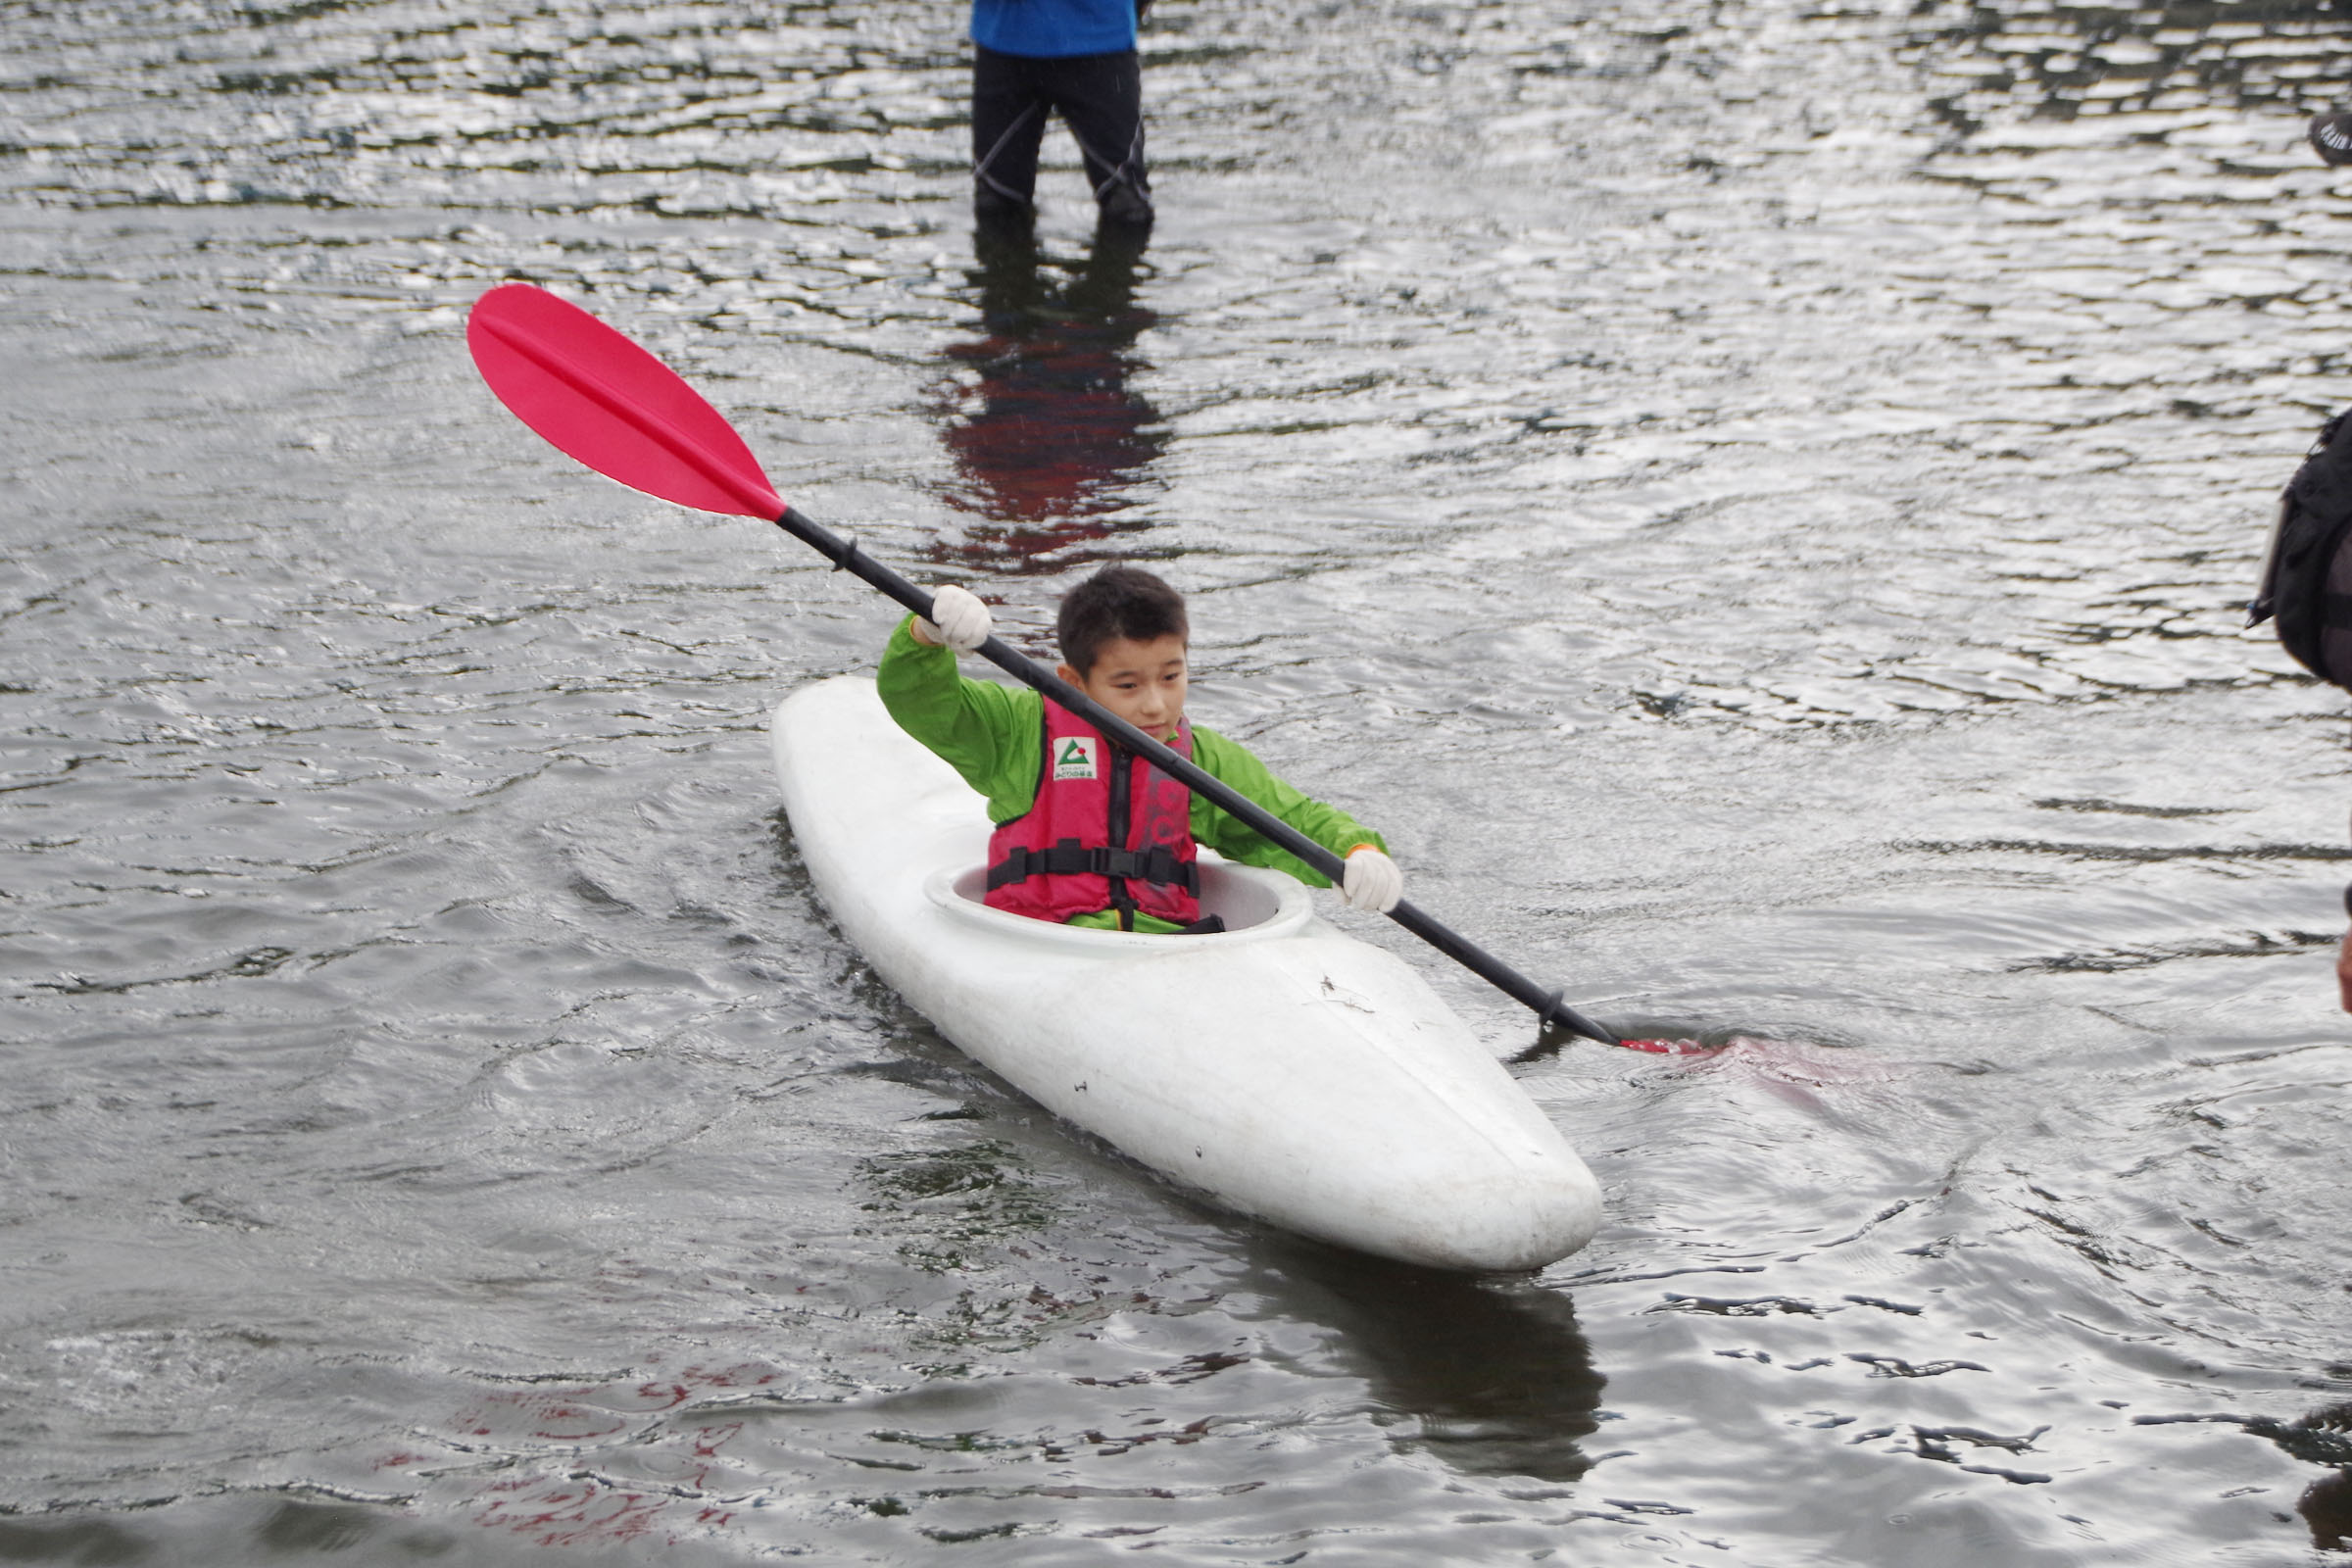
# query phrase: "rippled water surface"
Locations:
[[1753, 498]]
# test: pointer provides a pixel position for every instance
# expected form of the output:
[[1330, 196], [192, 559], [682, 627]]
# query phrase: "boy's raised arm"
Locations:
[[985, 731]]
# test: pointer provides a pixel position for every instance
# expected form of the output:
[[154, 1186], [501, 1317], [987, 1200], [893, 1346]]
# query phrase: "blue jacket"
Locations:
[[1054, 30]]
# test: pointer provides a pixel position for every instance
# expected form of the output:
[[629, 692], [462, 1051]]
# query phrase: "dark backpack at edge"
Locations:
[[2307, 577]]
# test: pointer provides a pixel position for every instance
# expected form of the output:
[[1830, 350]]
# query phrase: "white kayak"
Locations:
[[1281, 1067]]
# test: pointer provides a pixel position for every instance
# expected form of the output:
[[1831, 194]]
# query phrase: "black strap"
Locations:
[[1069, 857]]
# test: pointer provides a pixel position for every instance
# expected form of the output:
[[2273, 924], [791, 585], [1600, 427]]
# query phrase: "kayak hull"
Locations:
[[1282, 1069]]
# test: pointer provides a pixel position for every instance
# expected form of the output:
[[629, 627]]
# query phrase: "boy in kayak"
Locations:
[[1085, 833]]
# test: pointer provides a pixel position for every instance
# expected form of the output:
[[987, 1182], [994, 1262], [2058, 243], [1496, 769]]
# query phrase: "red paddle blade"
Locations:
[[602, 399]]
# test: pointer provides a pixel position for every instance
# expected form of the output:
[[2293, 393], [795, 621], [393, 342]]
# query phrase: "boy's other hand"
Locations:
[[2343, 972], [1372, 881], [957, 618]]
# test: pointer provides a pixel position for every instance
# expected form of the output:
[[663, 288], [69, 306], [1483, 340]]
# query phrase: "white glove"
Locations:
[[957, 618], [1372, 881]]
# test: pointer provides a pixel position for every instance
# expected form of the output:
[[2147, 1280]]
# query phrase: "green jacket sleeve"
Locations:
[[990, 734], [1232, 763]]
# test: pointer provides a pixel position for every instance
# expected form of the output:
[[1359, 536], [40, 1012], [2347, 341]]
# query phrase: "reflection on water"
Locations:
[[950, 1203], [2327, 1507], [1499, 1372], [2186, 55], [2323, 1437], [1051, 441]]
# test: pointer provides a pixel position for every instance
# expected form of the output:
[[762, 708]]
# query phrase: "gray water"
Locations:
[[1754, 500]]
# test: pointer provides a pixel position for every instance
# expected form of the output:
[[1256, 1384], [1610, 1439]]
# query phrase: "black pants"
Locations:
[[1099, 97]]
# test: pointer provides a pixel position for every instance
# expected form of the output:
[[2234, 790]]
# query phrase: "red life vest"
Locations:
[[1105, 831]]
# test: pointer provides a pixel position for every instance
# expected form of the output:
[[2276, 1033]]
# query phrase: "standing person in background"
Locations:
[[2331, 138], [1075, 58]]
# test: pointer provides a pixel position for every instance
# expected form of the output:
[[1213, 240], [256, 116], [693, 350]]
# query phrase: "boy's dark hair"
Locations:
[[1114, 603]]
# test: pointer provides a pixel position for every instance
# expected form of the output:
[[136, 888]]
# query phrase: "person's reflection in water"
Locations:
[[2327, 1507], [1499, 1373], [1051, 441], [2323, 1437]]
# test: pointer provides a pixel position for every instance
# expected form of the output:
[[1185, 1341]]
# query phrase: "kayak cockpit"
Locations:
[[1255, 905]]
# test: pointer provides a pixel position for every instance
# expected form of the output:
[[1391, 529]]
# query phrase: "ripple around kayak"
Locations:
[[1282, 1067]]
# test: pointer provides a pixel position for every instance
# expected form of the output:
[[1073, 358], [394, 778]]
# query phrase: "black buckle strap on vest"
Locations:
[[1154, 864], [1069, 857]]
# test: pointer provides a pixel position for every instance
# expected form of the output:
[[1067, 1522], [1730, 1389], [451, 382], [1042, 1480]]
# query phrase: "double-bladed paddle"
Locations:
[[602, 399]]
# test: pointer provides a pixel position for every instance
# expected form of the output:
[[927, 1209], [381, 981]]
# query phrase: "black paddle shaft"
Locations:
[[846, 556]]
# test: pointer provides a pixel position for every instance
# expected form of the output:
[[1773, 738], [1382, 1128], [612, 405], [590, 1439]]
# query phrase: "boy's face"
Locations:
[[1144, 683]]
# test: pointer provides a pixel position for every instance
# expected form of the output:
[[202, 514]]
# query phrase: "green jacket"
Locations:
[[991, 734]]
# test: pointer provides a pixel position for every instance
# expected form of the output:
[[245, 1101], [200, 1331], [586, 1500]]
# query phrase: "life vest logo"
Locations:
[[1074, 758]]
